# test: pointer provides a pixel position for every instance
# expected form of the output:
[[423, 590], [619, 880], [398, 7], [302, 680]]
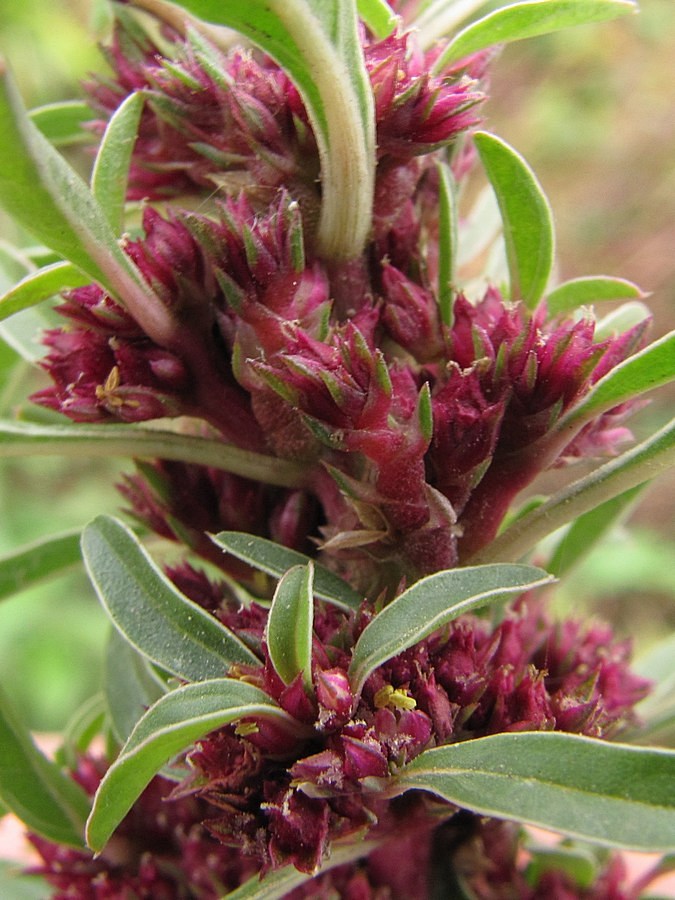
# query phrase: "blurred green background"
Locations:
[[593, 110]]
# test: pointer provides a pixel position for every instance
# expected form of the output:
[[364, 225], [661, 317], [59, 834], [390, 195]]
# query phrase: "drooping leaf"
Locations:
[[131, 686], [39, 560], [111, 168], [578, 292], [612, 794], [289, 625], [62, 123], [529, 19], [152, 614], [174, 723], [27, 438], [318, 46], [448, 231], [588, 529], [275, 560], [634, 467], [34, 788], [378, 16], [39, 286], [644, 371], [528, 224], [431, 603]]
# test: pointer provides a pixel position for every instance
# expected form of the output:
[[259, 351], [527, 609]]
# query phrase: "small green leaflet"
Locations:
[[164, 625], [578, 292], [289, 625], [431, 603], [33, 563], [34, 788], [173, 724], [62, 123], [608, 793], [529, 19], [275, 560], [40, 286], [378, 16], [318, 45], [528, 223]]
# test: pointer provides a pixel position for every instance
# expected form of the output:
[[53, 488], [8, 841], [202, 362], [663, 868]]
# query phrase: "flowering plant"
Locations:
[[280, 297]]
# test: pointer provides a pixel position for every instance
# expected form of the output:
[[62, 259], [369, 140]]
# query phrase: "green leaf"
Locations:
[[86, 724], [173, 724], [635, 467], [289, 626], [318, 45], [378, 16], [611, 794], [62, 123], [585, 291], [130, 685], [32, 439], [657, 710], [111, 169], [39, 286], [528, 223], [529, 19], [577, 862], [431, 603], [39, 560], [275, 560], [644, 371], [156, 619], [47, 197], [441, 17], [448, 231], [34, 788], [16, 886]]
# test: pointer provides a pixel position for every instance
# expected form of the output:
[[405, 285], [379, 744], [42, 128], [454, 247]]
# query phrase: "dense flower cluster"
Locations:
[[415, 436]]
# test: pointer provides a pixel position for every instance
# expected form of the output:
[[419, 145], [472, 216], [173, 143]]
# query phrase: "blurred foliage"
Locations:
[[592, 111]]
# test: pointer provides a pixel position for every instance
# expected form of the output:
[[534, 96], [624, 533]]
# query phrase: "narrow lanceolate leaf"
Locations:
[[156, 619], [32, 439], [588, 529], [49, 199], [644, 371], [39, 286], [448, 230], [378, 16], [611, 794], [34, 788], [275, 560], [111, 169], [131, 686], [638, 465], [35, 562], [526, 216], [172, 725], [318, 45], [578, 292], [530, 19], [62, 123], [289, 625], [441, 17], [431, 603]]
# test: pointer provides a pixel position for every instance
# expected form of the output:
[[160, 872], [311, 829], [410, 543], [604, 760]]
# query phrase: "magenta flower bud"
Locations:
[[334, 695], [363, 758]]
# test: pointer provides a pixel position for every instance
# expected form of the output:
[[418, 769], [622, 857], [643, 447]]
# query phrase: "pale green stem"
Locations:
[[640, 464], [27, 439]]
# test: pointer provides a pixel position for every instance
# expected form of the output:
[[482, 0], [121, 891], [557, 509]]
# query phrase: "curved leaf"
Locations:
[[378, 16], [319, 47], [175, 722], [41, 559], [431, 603], [27, 438], [34, 788], [266, 556], [584, 291], [441, 17], [62, 123], [156, 619], [529, 19], [528, 223], [289, 625], [111, 168], [39, 286], [131, 686], [611, 794]]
